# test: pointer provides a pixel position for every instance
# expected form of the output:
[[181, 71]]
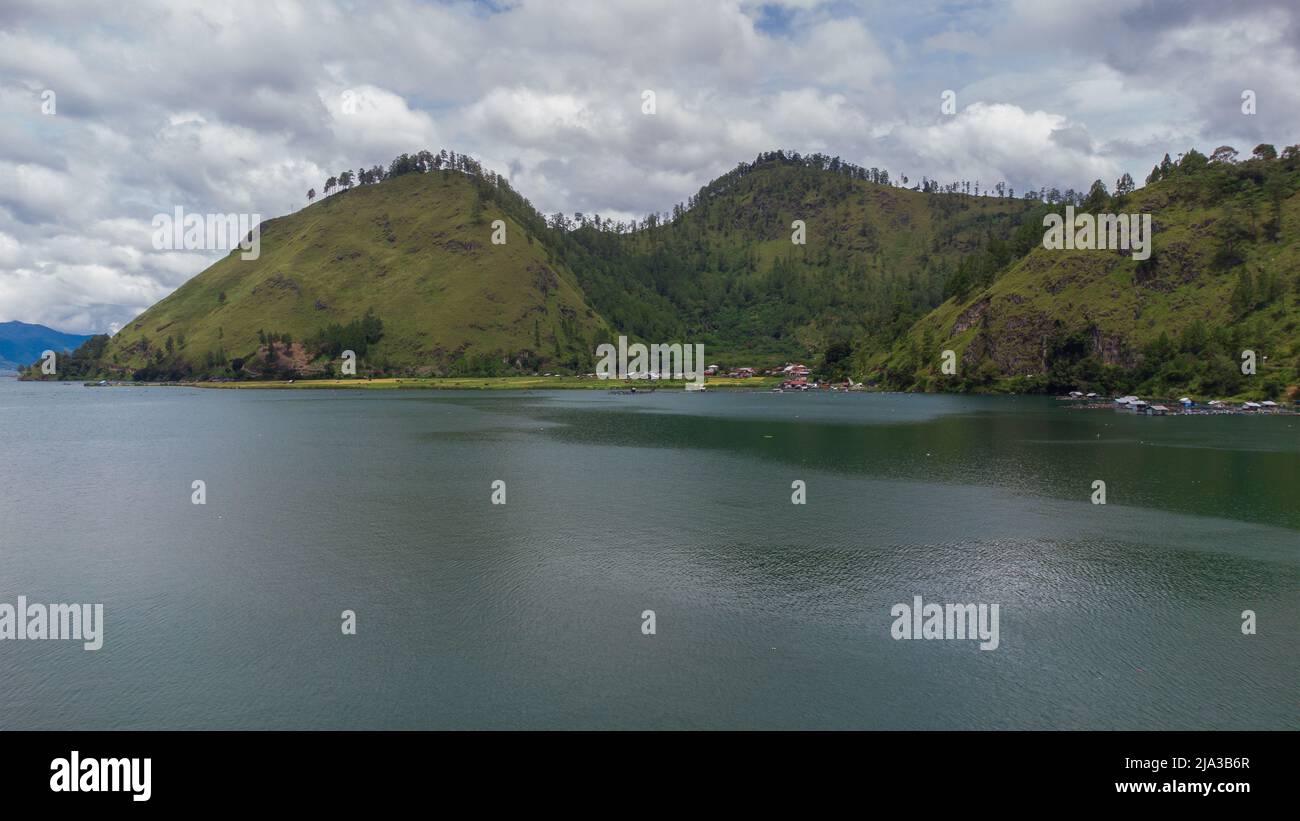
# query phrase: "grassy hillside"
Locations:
[[1224, 277], [415, 251]]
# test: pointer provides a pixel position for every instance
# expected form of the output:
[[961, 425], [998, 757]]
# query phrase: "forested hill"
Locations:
[[1223, 278], [724, 269]]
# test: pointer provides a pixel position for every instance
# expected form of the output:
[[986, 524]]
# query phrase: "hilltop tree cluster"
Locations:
[[420, 162], [426, 161]]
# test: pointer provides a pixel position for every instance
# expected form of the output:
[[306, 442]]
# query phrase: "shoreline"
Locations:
[[508, 383], [624, 386]]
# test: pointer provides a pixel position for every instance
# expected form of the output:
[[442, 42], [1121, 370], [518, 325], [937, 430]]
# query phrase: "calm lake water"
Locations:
[[528, 614]]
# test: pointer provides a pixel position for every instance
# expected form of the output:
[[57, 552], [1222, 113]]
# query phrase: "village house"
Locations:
[[795, 370]]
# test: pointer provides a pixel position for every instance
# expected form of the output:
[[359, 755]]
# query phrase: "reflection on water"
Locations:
[[769, 614]]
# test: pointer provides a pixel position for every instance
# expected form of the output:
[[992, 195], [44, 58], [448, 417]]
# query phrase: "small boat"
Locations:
[[691, 387]]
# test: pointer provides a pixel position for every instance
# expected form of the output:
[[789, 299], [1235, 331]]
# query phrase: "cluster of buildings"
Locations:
[[1134, 404], [790, 371], [794, 376]]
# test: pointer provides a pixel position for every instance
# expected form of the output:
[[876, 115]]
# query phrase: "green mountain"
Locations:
[[724, 269], [403, 272], [1223, 278]]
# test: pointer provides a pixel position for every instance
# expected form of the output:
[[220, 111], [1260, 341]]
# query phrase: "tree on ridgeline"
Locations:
[[1097, 196], [1264, 151], [1224, 154]]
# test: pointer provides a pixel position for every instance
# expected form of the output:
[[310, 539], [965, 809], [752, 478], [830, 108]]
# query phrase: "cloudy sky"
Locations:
[[234, 106]]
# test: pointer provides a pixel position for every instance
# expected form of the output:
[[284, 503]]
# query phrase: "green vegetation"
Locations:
[[395, 271], [82, 363], [398, 265], [1223, 278], [357, 336], [722, 269]]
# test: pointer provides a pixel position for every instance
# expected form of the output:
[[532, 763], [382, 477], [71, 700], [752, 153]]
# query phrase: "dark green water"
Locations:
[[527, 615]]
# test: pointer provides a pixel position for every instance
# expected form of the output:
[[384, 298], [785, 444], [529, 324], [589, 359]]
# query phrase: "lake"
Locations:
[[529, 614]]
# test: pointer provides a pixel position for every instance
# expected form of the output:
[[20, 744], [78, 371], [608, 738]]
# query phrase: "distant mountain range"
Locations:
[[22, 344]]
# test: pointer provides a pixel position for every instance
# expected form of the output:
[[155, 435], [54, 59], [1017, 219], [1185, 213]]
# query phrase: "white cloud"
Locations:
[[1002, 142], [184, 103]]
